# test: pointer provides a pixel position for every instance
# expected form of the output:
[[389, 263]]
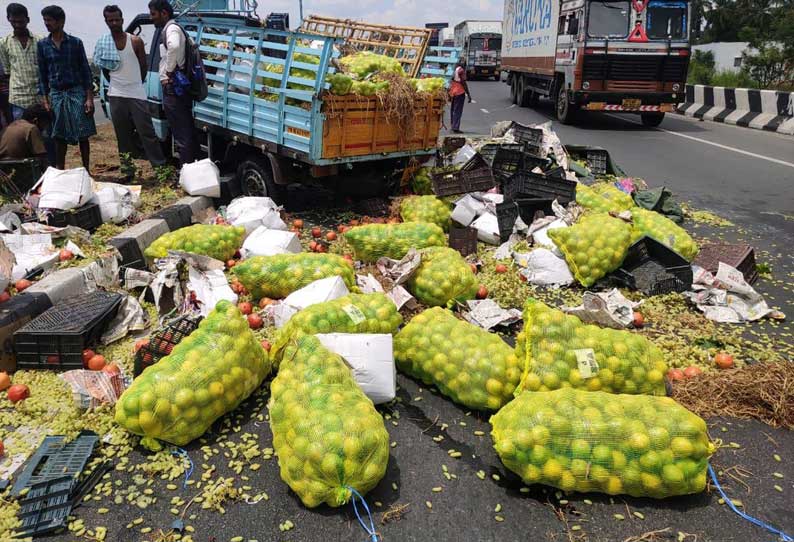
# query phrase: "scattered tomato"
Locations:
[[264, 302], [639, 319], [245, 307], [111, 369], [266, 345], [675, 374], [255, 321], [88, 354], [473, 268], [501, 268], [393, 220], [322, 248], [341, 228], [313, 246], [354, 222], [692, 371], [65, 254], [220, 221], [22, 284], [18, 392], [4, 296], [297, 223], [2, 449], [522, 277], [97, 363], [53, 359], [348, 257], [482, 293], [5, 381], [330, 236], [723, 360], [230, 264], [316, 232]]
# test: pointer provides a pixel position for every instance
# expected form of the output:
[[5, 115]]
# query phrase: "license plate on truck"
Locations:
[[631, 104]]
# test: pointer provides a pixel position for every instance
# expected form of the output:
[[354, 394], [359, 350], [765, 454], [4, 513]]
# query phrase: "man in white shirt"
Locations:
[[178, 108], [122, 57]]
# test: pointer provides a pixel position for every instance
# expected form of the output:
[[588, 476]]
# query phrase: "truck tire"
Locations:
[[514, 89], [565, 110], [256, 179], [524, 94], [651, 120]]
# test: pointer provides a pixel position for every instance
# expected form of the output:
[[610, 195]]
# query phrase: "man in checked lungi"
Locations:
[[66, 87]]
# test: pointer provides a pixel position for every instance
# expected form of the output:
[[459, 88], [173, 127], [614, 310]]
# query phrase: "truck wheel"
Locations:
[[524, 94], [256, 179], [514, 89], [566, 111], [651, 120]]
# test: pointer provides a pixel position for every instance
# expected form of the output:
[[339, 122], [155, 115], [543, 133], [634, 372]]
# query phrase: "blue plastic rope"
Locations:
[[373, 536], [183, 453], [783, 536]]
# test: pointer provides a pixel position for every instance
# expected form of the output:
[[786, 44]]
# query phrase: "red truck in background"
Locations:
[[599, 55]]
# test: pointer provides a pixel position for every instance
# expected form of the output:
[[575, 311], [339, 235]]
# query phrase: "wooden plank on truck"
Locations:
[[404, 43]]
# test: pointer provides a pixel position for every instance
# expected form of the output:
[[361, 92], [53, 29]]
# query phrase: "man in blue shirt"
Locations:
[[66, 86]]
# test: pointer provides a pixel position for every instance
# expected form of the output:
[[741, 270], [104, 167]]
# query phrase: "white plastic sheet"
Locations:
[[64, 189], [544, 268], [253, 212], [487, 227], [116, 202], [264, 241], [608, 309], [371, 360], [727, 297], [201, 178], [30, 251]]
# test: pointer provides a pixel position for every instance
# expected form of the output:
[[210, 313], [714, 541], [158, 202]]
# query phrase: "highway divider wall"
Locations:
[[769, 110]]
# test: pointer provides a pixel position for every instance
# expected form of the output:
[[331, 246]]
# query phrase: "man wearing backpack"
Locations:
[[177, 95]]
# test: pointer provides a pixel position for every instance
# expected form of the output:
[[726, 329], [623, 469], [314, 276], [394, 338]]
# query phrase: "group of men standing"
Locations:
[[50, 89]]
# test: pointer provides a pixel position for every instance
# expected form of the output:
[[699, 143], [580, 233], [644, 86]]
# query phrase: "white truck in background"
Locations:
[[481, 42], [599, 55]]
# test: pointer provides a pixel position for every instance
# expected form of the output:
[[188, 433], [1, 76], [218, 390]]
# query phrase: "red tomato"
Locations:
[[675, 374], [348, 257], [297, 223], [53, 359], [245, 307], [316, 232], [473, 268], [97, 363], [5, 381], [230, 264], [255, 321], [482, 293], [313, 246], [266, 345], [2, 449], [22, 284], [264, 302], [4, 296], [330, 236], [723, 360], [18, 392], [501, 268], [111, 369], [88, 354], [65, 254], [692, 371], [639, 319]]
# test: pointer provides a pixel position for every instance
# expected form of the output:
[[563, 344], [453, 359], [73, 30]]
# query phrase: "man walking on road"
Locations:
[[67, 87], [177, 101], [122, 57], [18, 56], [458, 90]]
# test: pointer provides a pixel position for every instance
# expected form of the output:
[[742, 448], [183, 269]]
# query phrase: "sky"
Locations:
[[84, 17]]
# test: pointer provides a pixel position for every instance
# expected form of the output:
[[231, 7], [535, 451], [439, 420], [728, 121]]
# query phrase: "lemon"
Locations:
[[681, 447]]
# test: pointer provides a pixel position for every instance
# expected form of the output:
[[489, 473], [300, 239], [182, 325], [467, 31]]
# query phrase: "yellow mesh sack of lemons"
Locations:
[[353, 313], [559, 351], [443, 277], [422, 184], [664, 230], [374, 241], [326, 433], [425, 209], [594, 246], [600, 442], [215, 241], [472, 367], [618, 199], [207, 374], [279, 275]]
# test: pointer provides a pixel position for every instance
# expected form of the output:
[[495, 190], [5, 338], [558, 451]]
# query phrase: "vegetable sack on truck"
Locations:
[[289, 106], [598, 55]]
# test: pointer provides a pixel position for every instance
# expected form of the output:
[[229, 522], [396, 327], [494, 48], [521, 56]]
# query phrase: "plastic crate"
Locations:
[[598, 161], [525, 184], [464, 240], [488, 152], [654, 269], [163, 341], [474, 176], [531, 138], [509, 159], [46, 506], [55, 458], [508, 212], [530, 162], [57, 338], [741, 257], [376, 207], [87, 217], [557, 173]]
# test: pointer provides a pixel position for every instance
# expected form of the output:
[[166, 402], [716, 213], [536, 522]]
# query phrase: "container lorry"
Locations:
[[273, 127], [626, 56], [481, 45]]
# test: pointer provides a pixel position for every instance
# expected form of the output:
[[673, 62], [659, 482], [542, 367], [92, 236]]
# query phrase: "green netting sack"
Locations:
[[341, 84], [594, 246], [326, 433], [443, 276], [208, 374], [428, 209], [422, 184], [557, 350], [215, 241], [664, 230], [375, 241], [280, 275], [365, 63], [593, 441], [618, 199], [353, 313], [469, 365]]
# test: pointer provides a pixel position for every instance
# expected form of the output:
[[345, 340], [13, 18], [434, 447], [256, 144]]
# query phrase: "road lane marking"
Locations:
[[485, 111], [718, 145]]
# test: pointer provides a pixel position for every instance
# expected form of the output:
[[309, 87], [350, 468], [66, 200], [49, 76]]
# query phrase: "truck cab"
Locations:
[[611, 55], [483, 54]]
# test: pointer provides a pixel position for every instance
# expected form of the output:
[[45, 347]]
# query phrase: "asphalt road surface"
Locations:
[[744, 175]]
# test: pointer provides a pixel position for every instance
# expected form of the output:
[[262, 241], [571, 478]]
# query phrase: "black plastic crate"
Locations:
[[231, 188], [464, 240], [509, 159], [176, 216], [741, 257], [531, 138], [87, 217], [46, 506], [163, 341], [509, 211], [488, 152], [130, 251], [557, 173], [474, 176], [654, 269], [525, 184], [530, 162], [375, 207], [57, 338], [598, 161]]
